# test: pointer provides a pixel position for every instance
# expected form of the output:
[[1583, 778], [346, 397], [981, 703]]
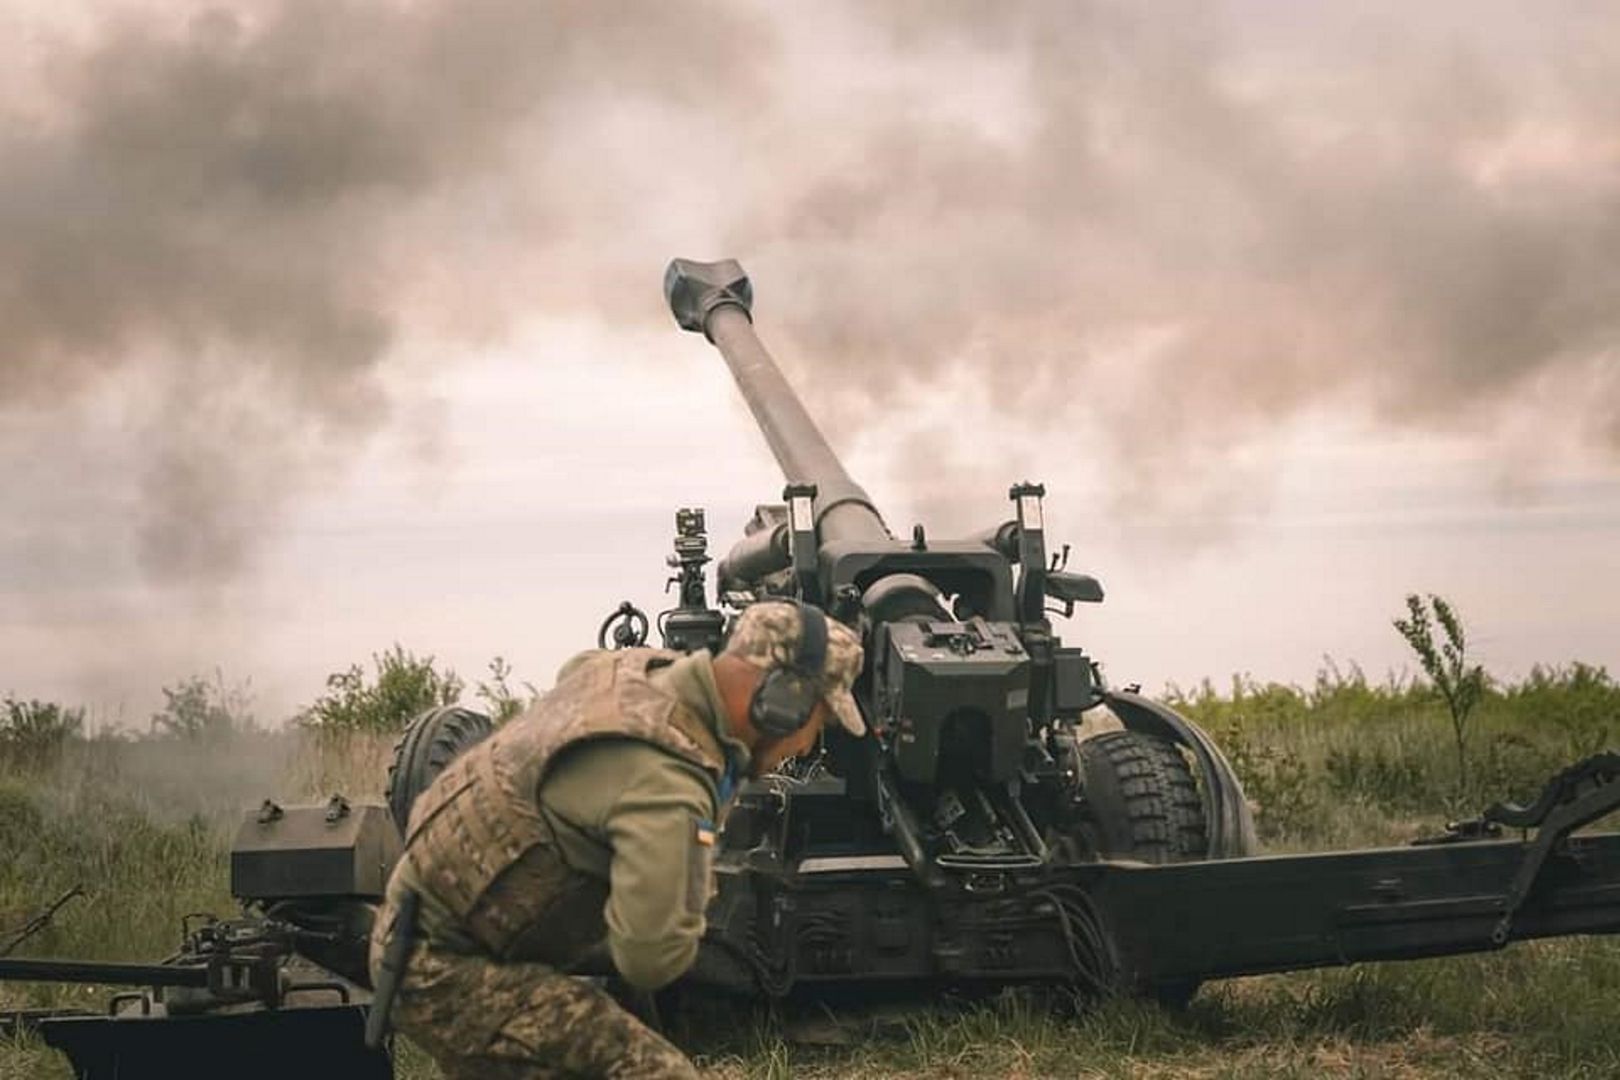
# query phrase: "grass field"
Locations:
[[144, 825]]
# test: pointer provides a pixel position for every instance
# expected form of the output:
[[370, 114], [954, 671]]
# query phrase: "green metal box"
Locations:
[[337, 849]]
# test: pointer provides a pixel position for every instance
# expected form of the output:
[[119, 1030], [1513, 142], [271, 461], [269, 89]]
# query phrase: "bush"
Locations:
[[1580, 701], [1460, 684], [1276, 778], [404, 685], [198, 708], [33, 733], [1390, 776], [504, 702]]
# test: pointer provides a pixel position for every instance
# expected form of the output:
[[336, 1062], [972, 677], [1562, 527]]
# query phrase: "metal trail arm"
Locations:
[[1448, 895]]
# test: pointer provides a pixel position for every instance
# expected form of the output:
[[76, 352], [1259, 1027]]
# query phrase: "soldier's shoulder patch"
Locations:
[[704, 831]]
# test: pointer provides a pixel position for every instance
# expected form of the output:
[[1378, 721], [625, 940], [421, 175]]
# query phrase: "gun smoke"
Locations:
[[1174, 226], [1212, 217], [231, 205]]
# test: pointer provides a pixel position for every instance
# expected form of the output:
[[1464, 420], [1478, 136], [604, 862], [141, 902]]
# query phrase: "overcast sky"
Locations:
[[326, 326]]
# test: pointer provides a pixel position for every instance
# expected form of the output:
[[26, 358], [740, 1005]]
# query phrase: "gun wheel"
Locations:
[[1142, 802], [432, 740]]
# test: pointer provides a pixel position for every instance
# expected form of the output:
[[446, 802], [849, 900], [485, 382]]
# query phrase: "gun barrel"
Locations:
[[717, 299]]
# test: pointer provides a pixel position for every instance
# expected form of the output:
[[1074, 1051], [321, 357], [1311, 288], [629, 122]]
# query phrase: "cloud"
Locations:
[[1215, 217], [236, 209], [1155, 232]]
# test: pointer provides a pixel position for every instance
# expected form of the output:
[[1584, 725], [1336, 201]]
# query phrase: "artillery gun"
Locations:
[[977, 836], [981, 834]]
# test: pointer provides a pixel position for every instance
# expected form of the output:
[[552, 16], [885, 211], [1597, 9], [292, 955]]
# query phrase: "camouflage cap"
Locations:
[[767, 635]]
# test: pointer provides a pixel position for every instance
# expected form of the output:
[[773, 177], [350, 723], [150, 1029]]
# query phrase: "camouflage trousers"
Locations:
[[478, 1017]]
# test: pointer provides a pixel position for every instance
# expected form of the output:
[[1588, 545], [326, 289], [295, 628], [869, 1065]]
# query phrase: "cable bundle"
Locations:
[[1089, 951]]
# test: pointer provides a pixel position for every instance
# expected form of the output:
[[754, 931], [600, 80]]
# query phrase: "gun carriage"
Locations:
[[982, 833], [985, 833]]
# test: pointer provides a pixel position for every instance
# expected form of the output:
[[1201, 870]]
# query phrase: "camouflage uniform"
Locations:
[[482, 1019], [521, 868]]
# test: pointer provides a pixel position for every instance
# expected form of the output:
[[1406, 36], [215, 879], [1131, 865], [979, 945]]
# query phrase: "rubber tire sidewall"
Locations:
[[432, 740], [1143, 800], [1144, 805]]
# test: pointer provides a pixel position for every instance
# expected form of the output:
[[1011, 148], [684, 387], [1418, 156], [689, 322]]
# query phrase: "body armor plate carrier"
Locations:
[[477, 840]]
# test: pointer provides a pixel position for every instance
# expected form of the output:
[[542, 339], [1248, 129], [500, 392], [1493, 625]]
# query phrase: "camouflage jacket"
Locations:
[[482, 851]]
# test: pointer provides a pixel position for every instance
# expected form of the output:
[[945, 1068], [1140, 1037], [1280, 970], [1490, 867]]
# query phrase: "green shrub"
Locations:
[[1460, 684], [1346, 758], [20, 819], [1275, 780], [504, 702], [1389, 776], [33, 733], [200, 708], [1275, 777], [1581, 702], [403, 685]]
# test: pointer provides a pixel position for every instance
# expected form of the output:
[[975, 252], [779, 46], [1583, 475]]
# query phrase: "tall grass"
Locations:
[[145, 824], [1345, 761]]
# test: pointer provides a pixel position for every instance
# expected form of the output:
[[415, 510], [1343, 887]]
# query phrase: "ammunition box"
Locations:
[[336, 849]]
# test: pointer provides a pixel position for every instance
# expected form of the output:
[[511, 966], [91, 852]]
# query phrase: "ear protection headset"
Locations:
[[787, 696]]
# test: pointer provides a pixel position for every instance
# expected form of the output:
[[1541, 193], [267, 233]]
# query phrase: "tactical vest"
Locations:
[[477, 841]]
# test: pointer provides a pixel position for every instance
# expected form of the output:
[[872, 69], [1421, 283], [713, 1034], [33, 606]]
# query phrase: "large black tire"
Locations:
[[1142, 800], [432, 740], [1143, 803]]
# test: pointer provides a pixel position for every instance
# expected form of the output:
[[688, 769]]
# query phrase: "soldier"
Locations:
[[591, 817]]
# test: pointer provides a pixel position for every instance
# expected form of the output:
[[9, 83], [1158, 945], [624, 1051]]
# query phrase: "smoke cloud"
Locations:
[[231, 216], [1169, 227], [1199, 220]]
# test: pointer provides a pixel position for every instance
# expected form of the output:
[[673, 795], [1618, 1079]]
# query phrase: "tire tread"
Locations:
[[432, 740], [1144, 798]]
